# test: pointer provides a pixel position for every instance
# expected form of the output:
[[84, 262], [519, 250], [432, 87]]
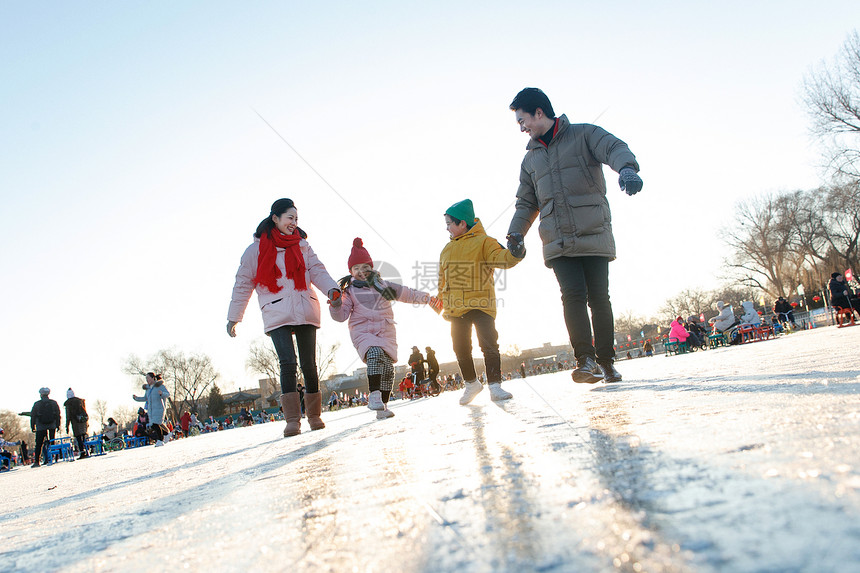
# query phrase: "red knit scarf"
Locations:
[[268, 272]]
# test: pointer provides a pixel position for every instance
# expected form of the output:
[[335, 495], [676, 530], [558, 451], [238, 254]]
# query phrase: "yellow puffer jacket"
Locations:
[[466, 272]]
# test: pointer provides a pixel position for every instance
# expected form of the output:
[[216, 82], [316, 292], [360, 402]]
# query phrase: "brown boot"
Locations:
[[292, 413], [313, 408]]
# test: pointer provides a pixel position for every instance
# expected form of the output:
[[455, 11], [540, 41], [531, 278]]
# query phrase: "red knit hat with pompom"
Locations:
[[358, 254]]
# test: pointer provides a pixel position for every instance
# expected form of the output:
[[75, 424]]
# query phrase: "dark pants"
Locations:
[[585, 280], [306, 340], [156, 432], [785, 317], [42, 443], [844, 303], [694, 340], [488, 340], [80, 438]]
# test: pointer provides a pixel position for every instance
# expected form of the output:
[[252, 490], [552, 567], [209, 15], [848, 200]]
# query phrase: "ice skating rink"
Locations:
[[734, 459]]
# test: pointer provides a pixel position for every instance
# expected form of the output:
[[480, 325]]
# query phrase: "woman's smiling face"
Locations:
[[287, 222]]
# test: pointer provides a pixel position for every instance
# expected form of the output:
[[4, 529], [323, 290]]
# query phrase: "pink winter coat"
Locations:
[[371, 318], [678, 331], [288, 306]]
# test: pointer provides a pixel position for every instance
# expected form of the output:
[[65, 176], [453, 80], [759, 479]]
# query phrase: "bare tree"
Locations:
[[263, 359], [14, 427], [842, 231], [630, 324], [187, 377], [688, 302], [101, 410], [326, 359], [511, 358], [780, 242], [512, 350], [124, 416], [733, 294], [832, 96], [767, 251]]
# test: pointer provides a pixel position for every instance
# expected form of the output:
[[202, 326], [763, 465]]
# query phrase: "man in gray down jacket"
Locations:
[[561, 180]]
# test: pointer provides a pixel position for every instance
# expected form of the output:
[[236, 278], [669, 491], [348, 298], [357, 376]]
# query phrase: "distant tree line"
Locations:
[[800, 238], [779, 242]]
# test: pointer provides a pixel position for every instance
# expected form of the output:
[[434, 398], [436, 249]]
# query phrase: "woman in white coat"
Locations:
[[281, 266]]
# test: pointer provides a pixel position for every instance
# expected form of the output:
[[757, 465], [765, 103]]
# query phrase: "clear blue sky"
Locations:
[[134, 168]]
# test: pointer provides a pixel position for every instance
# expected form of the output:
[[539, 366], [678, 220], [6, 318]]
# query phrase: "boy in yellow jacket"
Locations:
[[469, 298]]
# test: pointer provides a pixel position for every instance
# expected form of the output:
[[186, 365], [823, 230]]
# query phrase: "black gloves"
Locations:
[[517, 245], [629, 181]]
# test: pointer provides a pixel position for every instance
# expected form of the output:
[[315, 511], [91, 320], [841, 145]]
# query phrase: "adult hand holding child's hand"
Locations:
[[517, 245]]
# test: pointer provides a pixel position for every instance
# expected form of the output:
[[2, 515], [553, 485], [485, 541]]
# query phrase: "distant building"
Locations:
[[253, 400], [235, 401]]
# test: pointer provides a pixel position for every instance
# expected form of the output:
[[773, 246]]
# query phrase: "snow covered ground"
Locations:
[[735, 459]]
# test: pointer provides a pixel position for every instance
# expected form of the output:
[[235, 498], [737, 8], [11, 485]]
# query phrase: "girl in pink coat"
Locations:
[[281, 266], [367, 304], [678, 331]]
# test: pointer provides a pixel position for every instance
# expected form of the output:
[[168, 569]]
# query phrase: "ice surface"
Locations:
[[735, 459]]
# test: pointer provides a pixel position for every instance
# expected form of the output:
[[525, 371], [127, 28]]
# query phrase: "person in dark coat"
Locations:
[[416, 360], [141, 423], [44, 421], [840, 293], [76, 415], [783, 311], [432, 364], [697, 333]]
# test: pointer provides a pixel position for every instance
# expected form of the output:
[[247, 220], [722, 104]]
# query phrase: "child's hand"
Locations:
[[435, 304], [334, 298]]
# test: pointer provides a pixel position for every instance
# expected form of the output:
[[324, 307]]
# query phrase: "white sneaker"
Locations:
[[384, 414], [497, 394], [473, 388], [374, 401], [159, 443]]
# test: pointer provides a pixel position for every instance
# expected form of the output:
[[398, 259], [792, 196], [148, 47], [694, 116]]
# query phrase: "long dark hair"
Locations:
[[279, 207]]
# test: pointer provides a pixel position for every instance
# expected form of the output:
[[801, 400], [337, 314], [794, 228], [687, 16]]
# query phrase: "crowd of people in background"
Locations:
[[692, 335], [151, 425]]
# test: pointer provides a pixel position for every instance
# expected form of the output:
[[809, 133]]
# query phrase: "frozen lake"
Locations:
[[735, 459]]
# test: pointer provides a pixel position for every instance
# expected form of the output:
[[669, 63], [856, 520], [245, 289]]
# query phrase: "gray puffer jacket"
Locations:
[[564, 184]]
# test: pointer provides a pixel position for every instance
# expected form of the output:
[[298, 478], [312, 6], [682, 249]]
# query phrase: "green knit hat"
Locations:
[[463, 210]]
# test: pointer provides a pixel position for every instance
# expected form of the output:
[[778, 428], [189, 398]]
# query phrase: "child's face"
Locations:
[[361, 271], [457, 229]]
